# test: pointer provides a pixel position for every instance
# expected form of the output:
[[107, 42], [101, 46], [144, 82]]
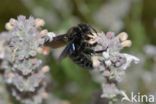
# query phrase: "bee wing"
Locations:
[[57, 42], [69, 49]]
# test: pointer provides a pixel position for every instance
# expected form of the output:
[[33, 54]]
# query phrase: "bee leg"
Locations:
[[95, 34], [91, 36], [92, 41], [88, 51], [95, 61]]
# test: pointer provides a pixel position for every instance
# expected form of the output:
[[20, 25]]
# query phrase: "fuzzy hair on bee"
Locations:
[[80, 40]]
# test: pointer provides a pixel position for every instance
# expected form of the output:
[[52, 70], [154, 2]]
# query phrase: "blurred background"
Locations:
[[70, 82]]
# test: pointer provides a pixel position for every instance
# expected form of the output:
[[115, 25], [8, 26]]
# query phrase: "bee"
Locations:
[[80, 41]]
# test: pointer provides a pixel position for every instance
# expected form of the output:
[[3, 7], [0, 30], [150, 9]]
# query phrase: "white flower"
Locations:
[[108, 63], [129, 60], [51, 35], [106, 55], [110, 90]]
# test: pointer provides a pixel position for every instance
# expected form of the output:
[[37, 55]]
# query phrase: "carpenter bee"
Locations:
[[79, 40]]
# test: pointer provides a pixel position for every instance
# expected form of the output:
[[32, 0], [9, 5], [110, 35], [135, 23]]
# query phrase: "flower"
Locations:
[[24, 73], [111, 64]]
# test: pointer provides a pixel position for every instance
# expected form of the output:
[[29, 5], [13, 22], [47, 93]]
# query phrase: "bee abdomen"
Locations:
[[82, 60]]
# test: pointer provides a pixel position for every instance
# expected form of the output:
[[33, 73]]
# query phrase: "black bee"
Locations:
[[79, 44]]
